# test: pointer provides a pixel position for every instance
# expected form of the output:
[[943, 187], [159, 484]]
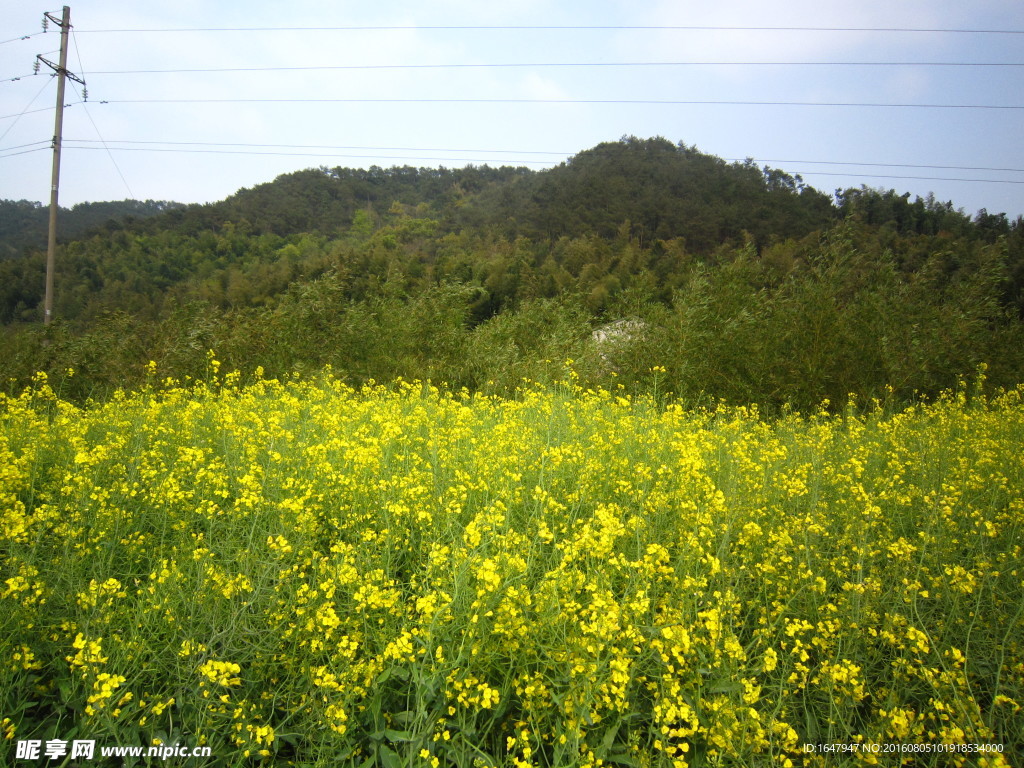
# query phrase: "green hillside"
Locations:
[[24, 225], [735, 281]]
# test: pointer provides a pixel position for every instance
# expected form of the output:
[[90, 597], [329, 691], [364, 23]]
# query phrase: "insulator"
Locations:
[[46, 24], [85, 94], [35, 68]]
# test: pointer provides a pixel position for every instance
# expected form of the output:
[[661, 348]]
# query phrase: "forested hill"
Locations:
[[482, 276], [24, 224], [659, 189], [133, 256]]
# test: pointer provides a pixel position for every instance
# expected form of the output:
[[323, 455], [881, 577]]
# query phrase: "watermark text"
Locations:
[[86, 749]]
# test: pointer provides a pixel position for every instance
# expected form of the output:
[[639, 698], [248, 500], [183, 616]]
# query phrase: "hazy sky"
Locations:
[[333, 94]]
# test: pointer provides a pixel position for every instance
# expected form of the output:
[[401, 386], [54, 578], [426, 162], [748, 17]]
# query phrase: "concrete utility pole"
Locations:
[[62, 73]]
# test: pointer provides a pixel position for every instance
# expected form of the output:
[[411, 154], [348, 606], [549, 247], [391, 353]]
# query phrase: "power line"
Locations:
[[522, 161], [22, 146], [685, 102], [567, 27], [19, 77], [81, 67], [109, 153], [478, 150], [309, 154], [23, 112], [893, 176], [532, 152], [85, 98], [334, 146], [30, 111], [27, 151], [649, 102], [23, 37], [541, 65], [899, 165], [552, 162]]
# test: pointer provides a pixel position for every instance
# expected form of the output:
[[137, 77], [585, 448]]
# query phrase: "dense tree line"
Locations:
[[24, 225], [737, 281]]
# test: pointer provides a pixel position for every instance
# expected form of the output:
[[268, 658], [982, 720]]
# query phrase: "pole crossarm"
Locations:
[[61, 70]]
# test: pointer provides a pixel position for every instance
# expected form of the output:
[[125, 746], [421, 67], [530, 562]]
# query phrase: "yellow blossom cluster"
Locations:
[[302, 572]]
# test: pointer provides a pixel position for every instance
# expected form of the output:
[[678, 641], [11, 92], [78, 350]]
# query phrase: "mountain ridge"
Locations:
[[749, 284]]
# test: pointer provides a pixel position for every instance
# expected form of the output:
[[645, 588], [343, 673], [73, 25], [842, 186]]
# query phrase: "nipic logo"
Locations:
[[53, 749], [85, 749]]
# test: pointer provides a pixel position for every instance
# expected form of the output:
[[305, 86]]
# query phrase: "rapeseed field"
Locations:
[[302, 573]]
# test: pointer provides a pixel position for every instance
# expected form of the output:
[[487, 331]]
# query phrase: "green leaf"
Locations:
[[609, 737], [389, 757], [620, 758], [404, 718], [66, 690], [726, 686]]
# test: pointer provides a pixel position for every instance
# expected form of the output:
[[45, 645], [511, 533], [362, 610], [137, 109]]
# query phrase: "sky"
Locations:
[[840, 93]]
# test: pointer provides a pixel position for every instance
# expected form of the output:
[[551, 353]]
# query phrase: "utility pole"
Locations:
[[62, 73]]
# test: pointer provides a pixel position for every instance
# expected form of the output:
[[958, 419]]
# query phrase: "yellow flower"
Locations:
[[220, 672]]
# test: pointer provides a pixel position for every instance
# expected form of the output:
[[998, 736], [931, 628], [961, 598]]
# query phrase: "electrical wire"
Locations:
[[542, 65], [531, 152], [311, 154], [23, 112], [83, 95], [638, 101], [552, 162], [19, 77], [893, 176], [25, 152], [31, 143], [334, 146], [22, 146], [23, 37], [78, 54], [131, 195], [567, 27], [686, 102], [897, 165], [29, 112]]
